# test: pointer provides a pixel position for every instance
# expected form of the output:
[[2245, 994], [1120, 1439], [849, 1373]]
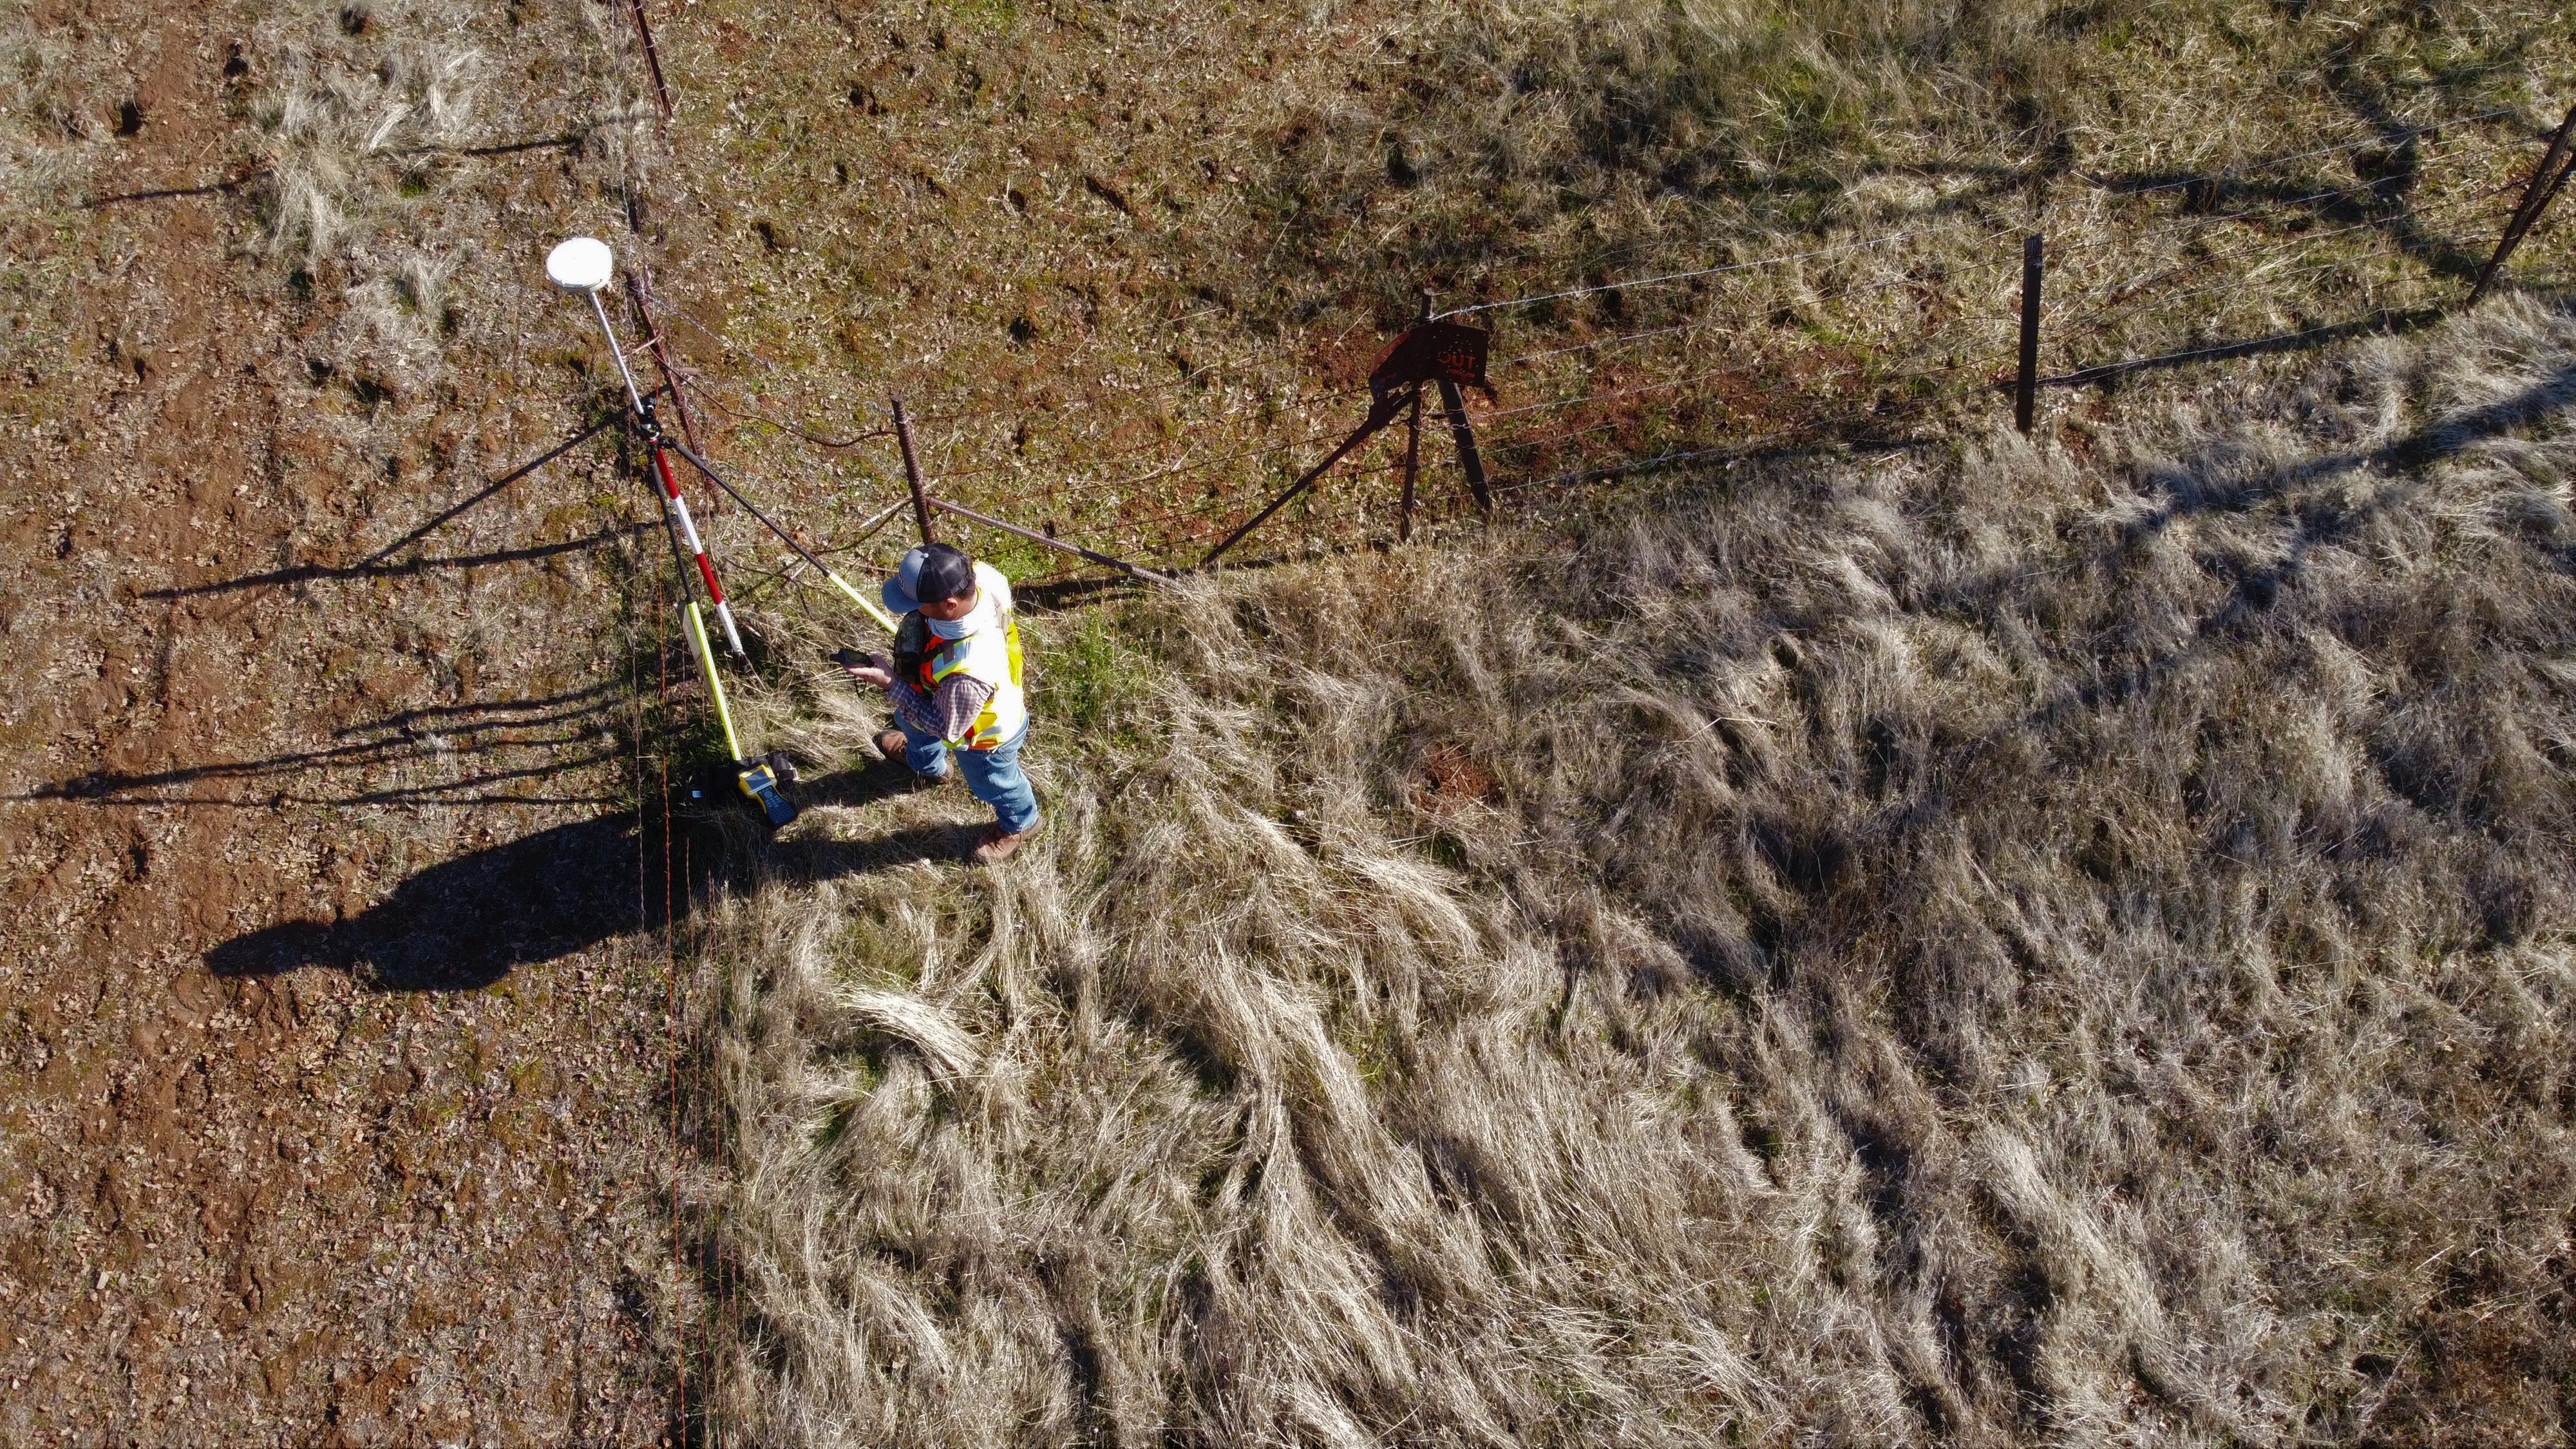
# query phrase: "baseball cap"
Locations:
[[927, 575]]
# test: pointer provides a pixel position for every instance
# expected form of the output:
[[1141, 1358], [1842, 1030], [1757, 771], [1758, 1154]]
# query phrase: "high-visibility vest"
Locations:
[[990, 655]]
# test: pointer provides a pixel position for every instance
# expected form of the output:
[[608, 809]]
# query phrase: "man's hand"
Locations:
[[865, 668]]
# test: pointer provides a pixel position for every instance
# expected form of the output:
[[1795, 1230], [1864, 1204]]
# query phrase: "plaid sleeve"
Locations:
[[913, 710], [957, 702], [950, 710]]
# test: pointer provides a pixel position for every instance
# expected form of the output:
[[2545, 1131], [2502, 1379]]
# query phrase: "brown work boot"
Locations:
[[994, 846], [892, 745]]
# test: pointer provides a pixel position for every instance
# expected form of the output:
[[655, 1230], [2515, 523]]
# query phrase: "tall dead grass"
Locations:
[[2008, 946]]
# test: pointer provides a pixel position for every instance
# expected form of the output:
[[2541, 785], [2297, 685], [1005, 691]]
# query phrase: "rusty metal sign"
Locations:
[[1448, 352]]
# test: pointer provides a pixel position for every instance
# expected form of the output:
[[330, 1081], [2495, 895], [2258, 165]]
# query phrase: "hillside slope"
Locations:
[[1993, 944]]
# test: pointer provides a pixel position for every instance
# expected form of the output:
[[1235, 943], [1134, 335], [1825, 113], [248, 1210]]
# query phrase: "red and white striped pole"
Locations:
[[688, 526], [584, 264]]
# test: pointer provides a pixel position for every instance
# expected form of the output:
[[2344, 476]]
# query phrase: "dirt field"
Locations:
[[333, 1079]]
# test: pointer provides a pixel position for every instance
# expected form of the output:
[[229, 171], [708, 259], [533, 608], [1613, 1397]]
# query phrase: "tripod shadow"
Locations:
[[465, 923], [489, 751]]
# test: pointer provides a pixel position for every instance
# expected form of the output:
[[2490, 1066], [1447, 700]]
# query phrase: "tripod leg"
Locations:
[[1463, 433]]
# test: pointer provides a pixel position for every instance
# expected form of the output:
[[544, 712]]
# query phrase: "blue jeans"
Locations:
[[992, 776]]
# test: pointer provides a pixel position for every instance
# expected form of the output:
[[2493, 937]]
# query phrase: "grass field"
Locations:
[[1911, 935], [1989, 945], [1895, 933]]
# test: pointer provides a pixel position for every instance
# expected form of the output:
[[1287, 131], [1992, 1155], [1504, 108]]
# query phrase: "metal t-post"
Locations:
[[1463, 433], [2536, 197], [912, 472], [2026, 384], [1412, 464]]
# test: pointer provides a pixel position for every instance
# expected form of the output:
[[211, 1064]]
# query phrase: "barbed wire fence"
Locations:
[[1858, 341], [1853, 341]]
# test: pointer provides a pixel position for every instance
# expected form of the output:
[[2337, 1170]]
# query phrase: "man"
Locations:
[[955, 687]]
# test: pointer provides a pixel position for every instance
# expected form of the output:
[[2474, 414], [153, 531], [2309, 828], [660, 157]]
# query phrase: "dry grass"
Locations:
[[1992, 947], [1096, 242]]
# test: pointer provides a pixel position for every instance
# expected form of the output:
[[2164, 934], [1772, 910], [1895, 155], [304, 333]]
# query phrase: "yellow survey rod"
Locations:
[[715, 682], [875, 610], [756, 778]]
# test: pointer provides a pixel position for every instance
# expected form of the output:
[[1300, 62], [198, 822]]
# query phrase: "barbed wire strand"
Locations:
[[2085, 324], [2440, 208], [1703, 323], [2093, 323], [2219, 218], [1668, 278], [1739, 447], [2406, 133]]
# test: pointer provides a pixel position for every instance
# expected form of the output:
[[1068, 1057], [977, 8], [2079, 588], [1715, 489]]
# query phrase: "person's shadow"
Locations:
[[465, 923]]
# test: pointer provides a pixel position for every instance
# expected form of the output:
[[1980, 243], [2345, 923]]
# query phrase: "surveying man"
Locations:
[[955, 687]]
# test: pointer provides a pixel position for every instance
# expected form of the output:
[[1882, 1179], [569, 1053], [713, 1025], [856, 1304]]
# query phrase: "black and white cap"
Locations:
[[927, 575]]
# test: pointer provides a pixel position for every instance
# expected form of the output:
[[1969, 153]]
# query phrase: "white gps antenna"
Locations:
[[584, 264]]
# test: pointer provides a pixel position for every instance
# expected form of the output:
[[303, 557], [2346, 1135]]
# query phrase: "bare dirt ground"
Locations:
[[333, 1084], [337, 1088]]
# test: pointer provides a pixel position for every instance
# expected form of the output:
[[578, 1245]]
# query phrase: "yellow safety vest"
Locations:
[[990, 655]]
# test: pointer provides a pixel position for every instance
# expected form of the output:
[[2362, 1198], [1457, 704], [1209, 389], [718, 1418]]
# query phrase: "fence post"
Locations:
[[2026, 384], [652, 57], [1413, 439], [2535, 200], [912, 472], [639, 290]]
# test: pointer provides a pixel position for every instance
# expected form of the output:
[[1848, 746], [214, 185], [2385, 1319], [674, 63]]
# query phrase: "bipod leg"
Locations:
[[1463, 433], [1380, 414], [670, 520], [866, 604], [1134, 571], [1412, 464]]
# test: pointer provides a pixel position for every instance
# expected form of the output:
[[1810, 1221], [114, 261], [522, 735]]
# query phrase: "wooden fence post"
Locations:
[[2026, 384], [2535, 200], [912, 472]]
